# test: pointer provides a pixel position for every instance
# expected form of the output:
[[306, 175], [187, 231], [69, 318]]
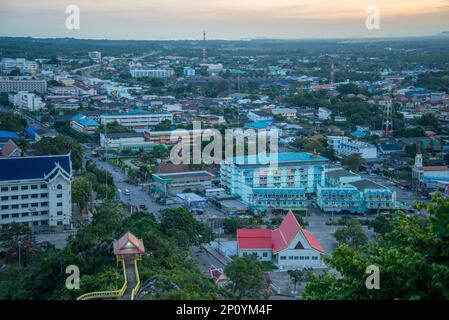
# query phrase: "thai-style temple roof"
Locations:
[[128, 244]]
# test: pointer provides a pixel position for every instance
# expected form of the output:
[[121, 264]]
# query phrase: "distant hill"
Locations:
[[444, 33]]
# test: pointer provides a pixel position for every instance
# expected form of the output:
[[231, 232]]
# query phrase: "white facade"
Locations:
[[292, 258], [289, 113], [324, 113], [344, 146], [40, 203], [29, 101], [138, 121], [23, 85], [151, 73], [21, 63]]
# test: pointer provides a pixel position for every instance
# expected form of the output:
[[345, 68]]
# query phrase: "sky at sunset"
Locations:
[[223, 19]]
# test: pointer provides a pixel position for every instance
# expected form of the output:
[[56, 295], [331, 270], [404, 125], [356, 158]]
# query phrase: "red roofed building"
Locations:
[[10, 149], [289, 247]]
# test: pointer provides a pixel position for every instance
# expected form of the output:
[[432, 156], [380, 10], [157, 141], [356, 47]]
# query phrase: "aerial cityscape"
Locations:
[[207, 165]]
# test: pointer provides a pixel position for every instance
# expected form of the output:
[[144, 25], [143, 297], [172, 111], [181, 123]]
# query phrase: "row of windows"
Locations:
[[25, 214], [25, 205], [25, 196], [16, 188], [277, 202], [298, 257]]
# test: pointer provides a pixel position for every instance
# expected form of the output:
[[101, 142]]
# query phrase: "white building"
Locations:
[[36, 191], [290, 246], [8, 64], [259, 116], [289, 113], [344, 146], [189, 72], [12, 85], [324, 113], [121, 139], [95, 56], [141, 72], [29, 101], [139, 120]]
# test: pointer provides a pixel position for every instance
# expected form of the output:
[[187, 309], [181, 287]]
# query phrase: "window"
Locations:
[[59, 213], [15, 215], [15, 188], [59, 187], [35, 223], [34, 205], [15, 206], [43, 186], [34, 196], [290, 258], [4, 189], [5, 216], [34, 187], [59, 195], [44, 195], [14, 197], [24, 196], [301, 257], [44, 204], [5, 207], [59, 204], [265, 254], [307, 257], [59, 223], [25, 214], [283, 258], [25, 205], [5, 198], [296, 257], [314, 258], [44, 212], [24, 188], [44, 223]]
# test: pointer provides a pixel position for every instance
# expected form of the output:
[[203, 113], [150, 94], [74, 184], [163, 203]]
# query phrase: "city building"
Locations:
[[282, 184], [289, 247], [189, 72], [139, 120], [288, 113], [346, 191], [173, 183], [428, 178], [142, 72], [28, 101], [344, 146], [260, 116], [95, 55], [84, 125], [64, 90], [11, 85], [124, 140], [324, 113], [36, 191], [10, 149], [8, 64]]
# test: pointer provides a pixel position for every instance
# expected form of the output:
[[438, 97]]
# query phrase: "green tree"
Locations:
[[61, 145], [413, 261], [81, 192], [353, 161], [246, 276], [351, 234], [299, 276], [181, 225], [12, 122]]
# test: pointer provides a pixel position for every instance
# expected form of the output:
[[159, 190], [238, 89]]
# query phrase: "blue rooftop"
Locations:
[[32, 167], [359, 134], [85, 121], [8, 135], [280, 158], [258, 124]]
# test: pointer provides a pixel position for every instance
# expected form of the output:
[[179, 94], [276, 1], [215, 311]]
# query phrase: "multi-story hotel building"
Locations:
[[36, 191], [151, 73], [139, 120], [347, 191], [344, 146], [281, 184], [11, 85]]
